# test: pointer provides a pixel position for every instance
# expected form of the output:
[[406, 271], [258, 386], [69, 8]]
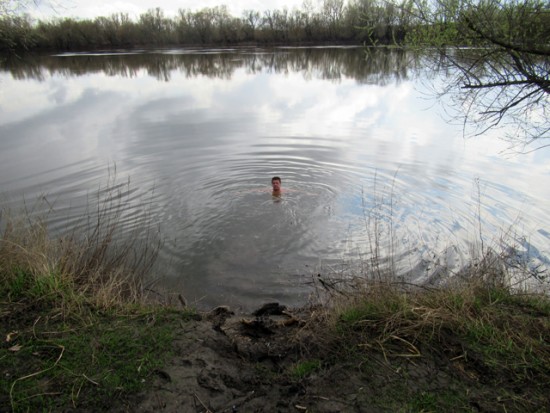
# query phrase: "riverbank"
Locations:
[[79, 334], [467, 349], [473, 347]]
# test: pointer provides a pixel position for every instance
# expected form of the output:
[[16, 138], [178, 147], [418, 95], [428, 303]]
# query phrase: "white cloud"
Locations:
[[87, 9]]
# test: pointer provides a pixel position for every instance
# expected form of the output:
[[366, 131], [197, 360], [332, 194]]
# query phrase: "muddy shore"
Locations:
[[224, 362]]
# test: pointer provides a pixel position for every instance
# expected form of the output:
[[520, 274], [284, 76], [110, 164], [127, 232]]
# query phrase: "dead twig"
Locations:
[[34, 374], [207, 410]]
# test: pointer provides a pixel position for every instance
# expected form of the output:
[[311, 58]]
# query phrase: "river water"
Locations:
[[371, 165]]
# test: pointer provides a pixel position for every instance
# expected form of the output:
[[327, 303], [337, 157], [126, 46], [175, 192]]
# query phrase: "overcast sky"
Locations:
[[93, 8]]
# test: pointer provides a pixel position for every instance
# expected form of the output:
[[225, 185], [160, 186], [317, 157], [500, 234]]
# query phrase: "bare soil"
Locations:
[[233, 363]]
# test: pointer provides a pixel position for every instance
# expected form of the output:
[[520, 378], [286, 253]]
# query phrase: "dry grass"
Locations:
[[476, 327], [392, 309], [91, 261], [490, 343]]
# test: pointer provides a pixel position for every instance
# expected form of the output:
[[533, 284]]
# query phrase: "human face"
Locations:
[[276, 184]]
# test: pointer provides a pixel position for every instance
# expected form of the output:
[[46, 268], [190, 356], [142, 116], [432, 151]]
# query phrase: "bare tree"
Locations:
[[251, 20], [9, 7], [12, 7], [503, 75]]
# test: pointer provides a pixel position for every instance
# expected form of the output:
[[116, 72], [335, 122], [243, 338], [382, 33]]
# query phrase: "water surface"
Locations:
[[370, 163]]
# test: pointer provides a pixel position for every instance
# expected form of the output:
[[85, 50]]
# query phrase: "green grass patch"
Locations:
[[304, 368], [437, 401], [46, 290], [56, 363]]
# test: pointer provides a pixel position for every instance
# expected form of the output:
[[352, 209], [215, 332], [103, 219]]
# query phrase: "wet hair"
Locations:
[[276, 178]]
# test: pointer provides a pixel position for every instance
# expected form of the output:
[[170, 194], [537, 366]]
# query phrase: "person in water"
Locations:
[[276, 186]]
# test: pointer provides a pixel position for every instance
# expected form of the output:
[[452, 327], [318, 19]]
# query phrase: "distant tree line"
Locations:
[[373, 22], [330, 21], [327, 21]]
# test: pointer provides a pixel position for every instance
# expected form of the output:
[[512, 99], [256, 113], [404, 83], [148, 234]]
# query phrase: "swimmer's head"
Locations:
[[276, 183]]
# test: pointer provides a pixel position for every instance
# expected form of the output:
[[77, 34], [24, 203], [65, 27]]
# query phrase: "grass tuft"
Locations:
[[304, 368]]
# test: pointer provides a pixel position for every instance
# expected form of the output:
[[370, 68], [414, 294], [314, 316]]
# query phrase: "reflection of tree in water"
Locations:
[[377, 66]]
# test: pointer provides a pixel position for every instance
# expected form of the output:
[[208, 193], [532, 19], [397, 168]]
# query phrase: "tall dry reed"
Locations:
[[97, 260]]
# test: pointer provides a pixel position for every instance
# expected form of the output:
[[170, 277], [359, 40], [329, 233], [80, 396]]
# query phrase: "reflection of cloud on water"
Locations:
[[321, 108], [58, 136], [22, 100]]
